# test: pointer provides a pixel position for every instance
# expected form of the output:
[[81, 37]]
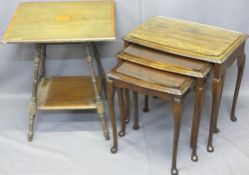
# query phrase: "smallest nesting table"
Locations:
[[148, 81]]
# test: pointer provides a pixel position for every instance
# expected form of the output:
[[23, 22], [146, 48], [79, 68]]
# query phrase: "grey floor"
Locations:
[[72, 142]]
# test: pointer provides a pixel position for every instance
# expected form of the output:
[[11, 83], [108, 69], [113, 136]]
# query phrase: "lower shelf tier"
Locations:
[[66, 93]]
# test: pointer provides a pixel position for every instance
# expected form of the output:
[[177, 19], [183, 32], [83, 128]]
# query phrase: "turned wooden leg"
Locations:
[[241, 65], [136, 117], [31, 127], [146, 103], [101, 70], [43, 62], [122, 114], [199, 95], [216, 130], [33, 103], [110, 96], [99, 101], [127, 106], [216, 90], [177, 113]]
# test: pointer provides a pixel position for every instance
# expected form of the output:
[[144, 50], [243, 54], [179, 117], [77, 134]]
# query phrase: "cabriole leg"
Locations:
[[199, 95], [99, 101], [216, 130], [121, 109], [216, 90], [241, 65], [110, 95], [177, 113], [127, 105]]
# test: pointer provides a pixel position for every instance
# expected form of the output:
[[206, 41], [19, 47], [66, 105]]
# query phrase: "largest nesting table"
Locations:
[[44, 23], [214, 45]]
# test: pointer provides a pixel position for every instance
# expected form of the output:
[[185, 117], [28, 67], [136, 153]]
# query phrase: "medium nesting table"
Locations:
[[214, 45], [45, 23]]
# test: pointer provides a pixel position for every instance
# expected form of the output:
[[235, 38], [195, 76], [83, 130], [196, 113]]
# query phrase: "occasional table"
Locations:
[[45, 23], [214, 45]]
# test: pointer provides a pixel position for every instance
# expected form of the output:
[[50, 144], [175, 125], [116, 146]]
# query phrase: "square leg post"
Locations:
[[39, 51], [101, 70], [99, 101], [43, 62]]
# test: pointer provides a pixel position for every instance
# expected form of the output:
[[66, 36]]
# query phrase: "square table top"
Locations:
[[187, 38], [62, 22]]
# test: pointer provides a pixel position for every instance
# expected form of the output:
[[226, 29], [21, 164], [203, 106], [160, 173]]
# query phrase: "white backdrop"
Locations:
[[72, 142]]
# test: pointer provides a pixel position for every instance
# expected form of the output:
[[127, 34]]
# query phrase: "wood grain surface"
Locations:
[[151, 78], [164, 61], [66, 93], [187, 38], [52, 22]]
